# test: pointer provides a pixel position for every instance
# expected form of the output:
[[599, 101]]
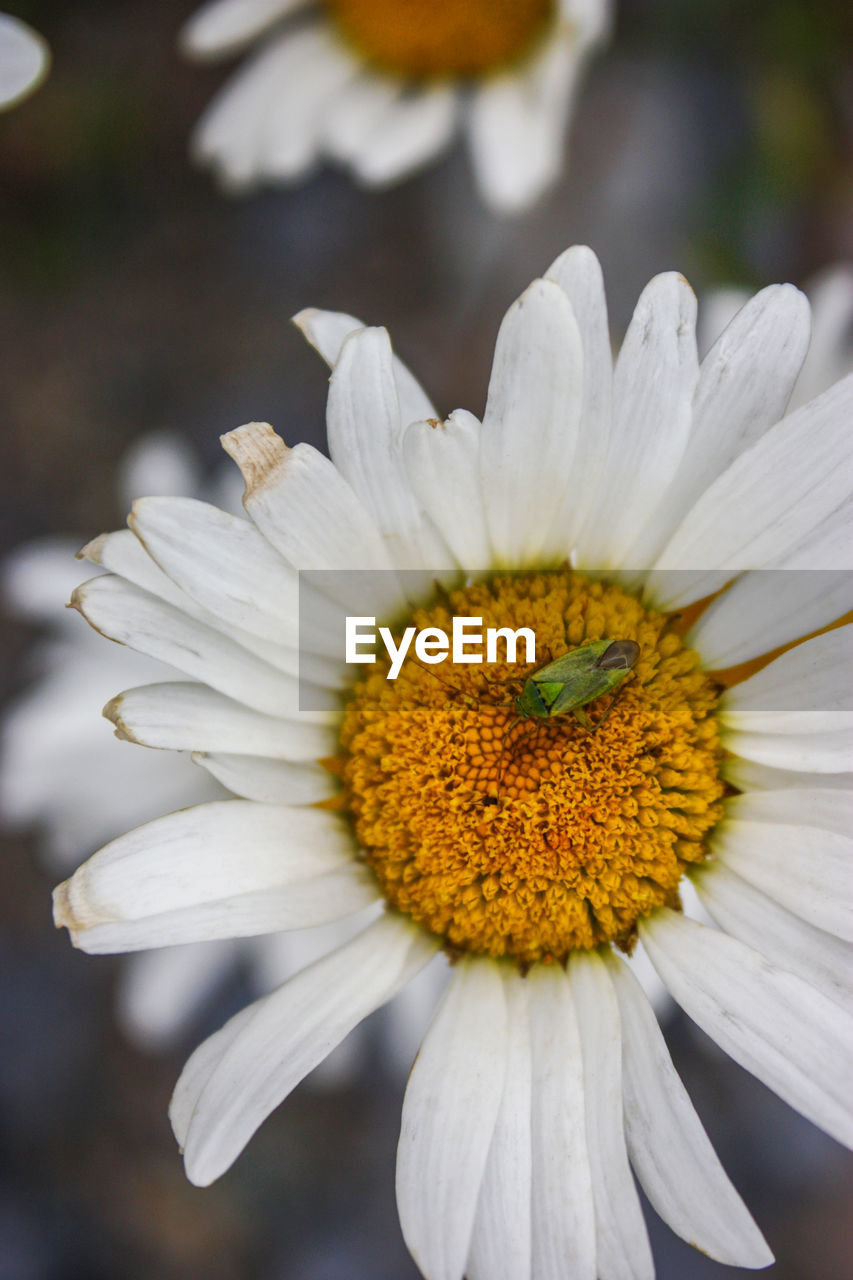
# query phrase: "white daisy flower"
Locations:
[[381, 86], [543, 1077], [24, 60]]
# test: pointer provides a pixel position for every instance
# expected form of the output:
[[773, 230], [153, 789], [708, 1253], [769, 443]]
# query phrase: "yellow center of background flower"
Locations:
[[591, 831], [425, 39]]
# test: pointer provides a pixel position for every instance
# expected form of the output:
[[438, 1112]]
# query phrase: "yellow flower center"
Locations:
[[425, 39], [531, 838]]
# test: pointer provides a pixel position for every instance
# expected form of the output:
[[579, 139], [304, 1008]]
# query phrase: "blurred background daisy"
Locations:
[[714, 137]]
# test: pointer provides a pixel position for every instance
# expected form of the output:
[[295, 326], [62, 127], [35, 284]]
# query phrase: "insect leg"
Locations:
[[613, 701]]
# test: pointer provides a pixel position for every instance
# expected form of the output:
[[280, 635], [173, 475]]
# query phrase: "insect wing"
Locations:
[[621, 655]]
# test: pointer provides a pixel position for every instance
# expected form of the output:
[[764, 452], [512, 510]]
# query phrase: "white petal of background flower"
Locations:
[[24, 60]]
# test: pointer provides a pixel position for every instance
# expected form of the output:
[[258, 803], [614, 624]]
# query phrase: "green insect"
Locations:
[[568, 683]]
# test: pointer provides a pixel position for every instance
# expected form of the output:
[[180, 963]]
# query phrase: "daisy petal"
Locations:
[[771, 498], [226, 135], [800, 867], [815, 806], [221, 27], [303, 506], [449, 1114], [327, 331], [179, 716], [764, 610], [743, 389], [828, 751], [748, 775], [796, 1040], [123, 554], [269, 781], [653, 385], [501, 1240], [516, 128], [562, 1196], [413, 130], [238, 1076], [312, 69], [130, 616], [365, 427], [782, 938], [801, 691], [579, 275], [531, 422], [670, 1151], [223, 563], [226, 869], [357, 112], [622, 1242], [442, 463]]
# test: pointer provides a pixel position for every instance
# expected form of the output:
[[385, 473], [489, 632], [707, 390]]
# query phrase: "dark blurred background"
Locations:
[[714, 137]]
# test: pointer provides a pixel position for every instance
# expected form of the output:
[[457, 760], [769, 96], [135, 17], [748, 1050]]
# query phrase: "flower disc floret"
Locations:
[[532, 838], [424, 40]]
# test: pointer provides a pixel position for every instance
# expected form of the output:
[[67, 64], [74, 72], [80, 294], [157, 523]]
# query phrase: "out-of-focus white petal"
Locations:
[[160, 991], [220, 27], [408, 134], [517, 125], [24, 60]]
